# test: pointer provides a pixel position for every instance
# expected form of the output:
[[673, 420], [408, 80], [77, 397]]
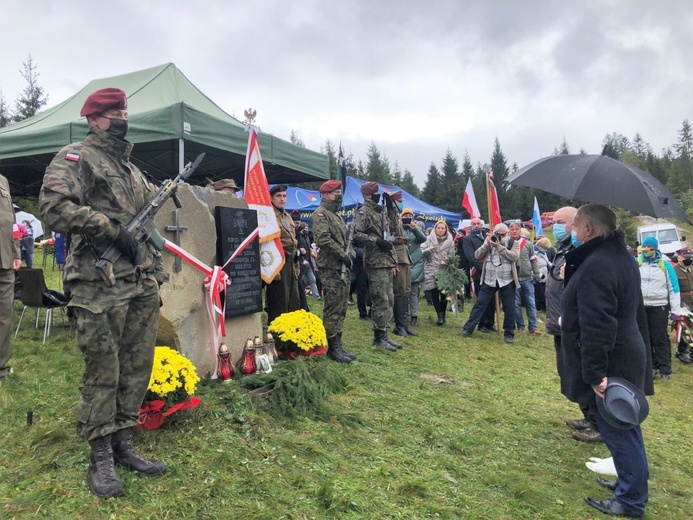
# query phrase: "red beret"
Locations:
[[104, 99], [370, 188], [329, 186]]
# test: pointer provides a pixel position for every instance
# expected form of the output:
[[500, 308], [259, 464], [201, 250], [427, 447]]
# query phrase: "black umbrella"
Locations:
[[601, 180]]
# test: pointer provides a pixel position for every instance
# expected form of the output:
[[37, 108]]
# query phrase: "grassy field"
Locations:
[[486, 439]]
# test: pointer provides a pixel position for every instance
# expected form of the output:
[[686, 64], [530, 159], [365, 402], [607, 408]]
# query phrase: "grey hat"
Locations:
[[624, 405]]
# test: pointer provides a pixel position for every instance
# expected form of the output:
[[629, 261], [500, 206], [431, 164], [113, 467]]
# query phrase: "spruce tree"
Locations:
[[33, 97], [432, 187], [5, 115], [295, 138], [450, 197], [329, 150], [409, 185], [499, 166], [377, 168]]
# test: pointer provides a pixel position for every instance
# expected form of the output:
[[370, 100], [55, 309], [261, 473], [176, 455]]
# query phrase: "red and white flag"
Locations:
[[469, 201], [256, 193]]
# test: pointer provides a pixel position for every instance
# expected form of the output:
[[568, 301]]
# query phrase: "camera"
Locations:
[[495, 237], [406, 220]]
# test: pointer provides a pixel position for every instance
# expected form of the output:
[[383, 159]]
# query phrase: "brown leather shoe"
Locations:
[[587, 435], [578, 424]]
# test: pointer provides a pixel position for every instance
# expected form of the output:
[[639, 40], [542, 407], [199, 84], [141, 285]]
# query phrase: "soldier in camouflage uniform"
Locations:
[[282, 294], [91, 190], [401, 285], [9, 262], [380, 262], [334, 261]]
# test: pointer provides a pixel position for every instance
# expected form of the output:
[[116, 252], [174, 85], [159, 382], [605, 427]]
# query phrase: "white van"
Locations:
[[666, 234]]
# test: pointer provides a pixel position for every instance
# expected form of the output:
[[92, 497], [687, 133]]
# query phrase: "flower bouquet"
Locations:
[[298, 333], [171, 388]]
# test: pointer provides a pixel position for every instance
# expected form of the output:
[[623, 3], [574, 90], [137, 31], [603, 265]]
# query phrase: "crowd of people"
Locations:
[[608, 313]]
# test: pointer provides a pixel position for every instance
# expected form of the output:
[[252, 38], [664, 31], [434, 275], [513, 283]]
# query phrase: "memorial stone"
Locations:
[[184, 321]]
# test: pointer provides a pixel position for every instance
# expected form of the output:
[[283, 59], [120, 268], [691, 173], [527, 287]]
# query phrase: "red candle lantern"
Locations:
[[225, 370], [248, 365]]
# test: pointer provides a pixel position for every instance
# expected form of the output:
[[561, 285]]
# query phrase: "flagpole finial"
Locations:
[[250, 115]]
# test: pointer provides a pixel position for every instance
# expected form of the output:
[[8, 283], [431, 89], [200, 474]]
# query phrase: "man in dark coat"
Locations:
[[473, 241], [601, 339], [585, 428]]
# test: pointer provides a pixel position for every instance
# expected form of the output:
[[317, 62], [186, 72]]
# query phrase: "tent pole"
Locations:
[[181, 155]]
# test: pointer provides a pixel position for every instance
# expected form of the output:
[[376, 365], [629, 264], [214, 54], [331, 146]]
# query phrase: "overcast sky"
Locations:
[[417, 77]]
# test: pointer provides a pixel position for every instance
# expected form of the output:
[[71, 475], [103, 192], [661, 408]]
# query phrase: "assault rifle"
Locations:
[[138, 225], [387, 204], [350, 240]]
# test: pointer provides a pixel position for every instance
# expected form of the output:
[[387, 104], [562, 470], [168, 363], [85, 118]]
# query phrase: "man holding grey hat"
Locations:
[[602, 345]]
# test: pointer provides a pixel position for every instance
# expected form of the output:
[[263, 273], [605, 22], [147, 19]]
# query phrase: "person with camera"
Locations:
[[415, 237], [473, 241], [498, 275]]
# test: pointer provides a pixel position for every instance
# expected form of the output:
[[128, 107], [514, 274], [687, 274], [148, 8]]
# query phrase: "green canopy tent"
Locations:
[[171, 122]]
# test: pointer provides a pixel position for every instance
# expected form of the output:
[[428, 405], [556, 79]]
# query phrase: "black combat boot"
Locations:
[[400, 315], [380, 340], [335, 352], [101, 475], [396, 345], [346, 352], [125, 454], [441, 318]]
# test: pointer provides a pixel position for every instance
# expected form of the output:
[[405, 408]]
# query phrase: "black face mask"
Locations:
[[375, 197], [688, 261], [338, 199], [118, 128]]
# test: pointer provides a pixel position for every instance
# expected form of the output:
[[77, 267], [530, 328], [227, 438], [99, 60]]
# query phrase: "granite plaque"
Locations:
[[244, 295]]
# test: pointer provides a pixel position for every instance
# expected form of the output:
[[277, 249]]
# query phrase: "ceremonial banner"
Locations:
[[494, 206], [256, 192], [469, 201], [536, 219]]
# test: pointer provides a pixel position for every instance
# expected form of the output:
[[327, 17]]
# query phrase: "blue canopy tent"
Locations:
[[307, 201]]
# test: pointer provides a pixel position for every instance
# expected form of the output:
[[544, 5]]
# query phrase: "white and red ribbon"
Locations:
[[215, 283]]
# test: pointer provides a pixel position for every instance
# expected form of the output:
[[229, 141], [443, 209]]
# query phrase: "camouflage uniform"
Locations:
[[89, 188], [9, 251], [331, 238], [401, 284], [379, 263], [282, 294]]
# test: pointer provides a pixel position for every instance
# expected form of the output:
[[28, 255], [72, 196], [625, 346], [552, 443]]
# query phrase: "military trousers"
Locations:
[[7, 278], [401, 284], [335, 294], [116, 331], [382, 296], [282, 295]]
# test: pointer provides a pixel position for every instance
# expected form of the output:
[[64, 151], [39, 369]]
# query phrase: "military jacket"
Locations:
[[369, 228], [330, 235], [288, 232], [89, 188], [9, 246], [400, 248]]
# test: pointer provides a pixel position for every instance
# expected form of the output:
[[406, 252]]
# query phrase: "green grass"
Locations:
[[490, 444]]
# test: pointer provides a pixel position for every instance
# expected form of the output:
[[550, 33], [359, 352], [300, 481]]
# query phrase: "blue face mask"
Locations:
[[559, 231], [574, 239], [400, 207]]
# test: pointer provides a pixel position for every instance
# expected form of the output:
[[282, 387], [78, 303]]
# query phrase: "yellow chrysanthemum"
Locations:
[[300, 328], [172, 372]]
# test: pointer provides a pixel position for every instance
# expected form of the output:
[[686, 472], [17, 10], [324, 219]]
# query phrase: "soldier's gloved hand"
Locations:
[[384, 244], [128, 245], [348, 262]]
